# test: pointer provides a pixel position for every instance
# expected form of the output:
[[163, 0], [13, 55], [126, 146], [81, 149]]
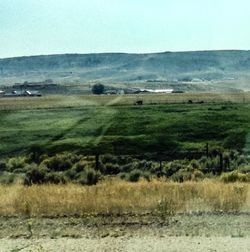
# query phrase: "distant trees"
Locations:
[[98, 88]]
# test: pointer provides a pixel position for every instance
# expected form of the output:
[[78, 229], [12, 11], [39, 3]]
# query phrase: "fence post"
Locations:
[[207, 150], [221, 162], [97, 161]]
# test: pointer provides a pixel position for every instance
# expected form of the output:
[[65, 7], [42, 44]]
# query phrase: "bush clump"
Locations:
[[80, 166], [35, 175], [55, 178], [60, 162], [235, 176], [182, 175], [2, 165], [7, 178], [108, 158], [244, 169], [89, 177], [111, 169], [134, 175], [174, 166], [41, 175], [15, 163], [187, 174]]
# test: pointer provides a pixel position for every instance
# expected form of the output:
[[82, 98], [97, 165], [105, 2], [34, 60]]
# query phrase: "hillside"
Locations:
[[175, 67]]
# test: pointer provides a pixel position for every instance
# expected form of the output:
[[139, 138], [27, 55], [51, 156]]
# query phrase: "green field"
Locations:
[[112, 124]]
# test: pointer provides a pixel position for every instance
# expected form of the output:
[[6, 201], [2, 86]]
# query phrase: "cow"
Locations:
[[139, 102]]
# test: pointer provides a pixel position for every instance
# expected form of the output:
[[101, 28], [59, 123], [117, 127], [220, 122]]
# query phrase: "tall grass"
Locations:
[[120, 197]]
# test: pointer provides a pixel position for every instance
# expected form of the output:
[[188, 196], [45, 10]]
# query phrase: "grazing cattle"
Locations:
[[139, 102]]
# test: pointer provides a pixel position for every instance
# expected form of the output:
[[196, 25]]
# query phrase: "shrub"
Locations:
[[175, 166], [211, 164], [146, 165], [7, 178], [19, 170], [35, 175], [240, 160], [89, 177], [36, 152], [233, 154], [182, 175], [55, 178], [11, 179], [215, 150], [108, 158], [80, 166], [71, 174], [154, 167], [15, 163], [2, 165], [245, 168], [197, 175], [134, 175], [235, 176], [195, 164], [111, 169], [146, 175], [142, 165], [123, 160], [60, 162], [127, 167], [92, 177], [123, 175]]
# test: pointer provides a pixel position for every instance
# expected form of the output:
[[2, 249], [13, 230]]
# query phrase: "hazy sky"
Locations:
[[34, 27]]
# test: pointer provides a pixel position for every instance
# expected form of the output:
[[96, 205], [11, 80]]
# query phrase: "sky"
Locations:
[[36, 27]]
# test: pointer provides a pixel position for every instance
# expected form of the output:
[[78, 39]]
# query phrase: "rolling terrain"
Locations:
[[200, 70]]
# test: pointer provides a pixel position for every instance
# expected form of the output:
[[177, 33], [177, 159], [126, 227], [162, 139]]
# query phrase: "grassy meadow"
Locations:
[[61, 145], [112, 124]]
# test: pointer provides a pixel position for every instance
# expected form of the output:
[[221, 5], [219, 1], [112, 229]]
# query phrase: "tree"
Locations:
[[98, 88]]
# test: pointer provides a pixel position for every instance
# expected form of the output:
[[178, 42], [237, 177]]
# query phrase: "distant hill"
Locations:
[[199, 66]]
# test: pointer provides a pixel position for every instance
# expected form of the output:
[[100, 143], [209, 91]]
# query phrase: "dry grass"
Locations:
[[119, 197]]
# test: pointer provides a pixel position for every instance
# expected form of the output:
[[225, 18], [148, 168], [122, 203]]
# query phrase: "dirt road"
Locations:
[[188, 232]]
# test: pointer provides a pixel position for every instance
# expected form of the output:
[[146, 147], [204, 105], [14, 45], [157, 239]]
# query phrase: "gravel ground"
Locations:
[[203, 232], [144, 244]]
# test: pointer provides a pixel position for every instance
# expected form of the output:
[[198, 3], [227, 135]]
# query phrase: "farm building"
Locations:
[[165, 91], [111, 91], [15, 93], [32, 93]]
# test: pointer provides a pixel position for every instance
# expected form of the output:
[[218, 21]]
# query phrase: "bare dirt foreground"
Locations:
[[182, 232], [146, 243]]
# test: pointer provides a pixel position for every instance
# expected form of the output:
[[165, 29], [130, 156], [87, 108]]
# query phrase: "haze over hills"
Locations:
[[110, 68]]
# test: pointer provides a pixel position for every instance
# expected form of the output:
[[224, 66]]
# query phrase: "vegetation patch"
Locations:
[[121, 197]]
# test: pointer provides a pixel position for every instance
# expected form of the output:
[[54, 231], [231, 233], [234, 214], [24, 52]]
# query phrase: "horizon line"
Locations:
[[132, 53]]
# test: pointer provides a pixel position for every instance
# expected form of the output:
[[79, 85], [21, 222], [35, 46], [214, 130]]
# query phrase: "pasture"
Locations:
[[113, 124], [204, 211], [104, 100]]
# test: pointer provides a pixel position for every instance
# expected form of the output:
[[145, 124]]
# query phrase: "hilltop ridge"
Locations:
[[197, 66]]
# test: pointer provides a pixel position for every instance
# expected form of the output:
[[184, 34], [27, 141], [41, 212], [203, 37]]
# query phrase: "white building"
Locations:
[[165, 91]]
